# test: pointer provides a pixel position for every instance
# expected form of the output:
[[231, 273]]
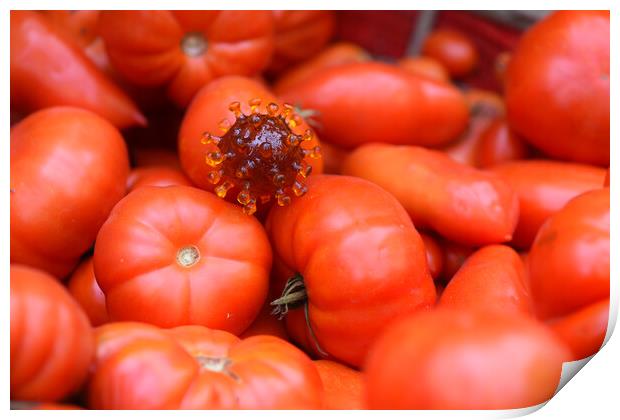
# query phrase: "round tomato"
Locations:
[[498, 143], [453, 49], [544, 187], [360, 103], [425, 67], [155, 176], [332, 56], [193, 367], [449, 359], [300, 34], [178, 255], [85, 290], [68, 169], [47, 70], [434, 254], [343, 387], [52, 343], [349, 261], [492, 279], [569, 259], [459, 202], [557, 86], [185, 49]]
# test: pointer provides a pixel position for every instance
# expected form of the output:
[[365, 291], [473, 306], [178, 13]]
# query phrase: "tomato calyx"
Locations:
[[194, 44], [260, 154], [293, 296], [188, 256], [217, 364]]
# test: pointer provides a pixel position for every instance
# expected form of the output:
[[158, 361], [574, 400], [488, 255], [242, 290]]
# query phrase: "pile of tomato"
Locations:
[[229, 210]]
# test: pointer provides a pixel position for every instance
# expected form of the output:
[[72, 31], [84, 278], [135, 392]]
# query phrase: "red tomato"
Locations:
[[461, 203], [193, 367], [332, 56], [46, 69], [80, 25], [607, 175], [197, 256], [146, 156], [500, 66], [333, 156], [583, 330], [454, 256], [185, 50], [85, 290], [544, 187], [569, 259], [448, 359], [492, 279], [434, 254], [52, 343], [557, 86], [343, 386], [453, 49], [156, 176], [300, 34], [266, 324], [207, 112], [68, 169], [360, 103], [425, 67], [352, 249], [498, 143]]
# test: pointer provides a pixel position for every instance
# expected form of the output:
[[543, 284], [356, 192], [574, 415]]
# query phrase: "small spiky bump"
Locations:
[[260, 154]]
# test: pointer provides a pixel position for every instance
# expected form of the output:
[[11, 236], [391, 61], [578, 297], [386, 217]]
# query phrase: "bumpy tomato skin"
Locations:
[[450, 359], [68, 169], [347, 237], [52, 342], [198, 256], [557, 86], [193, 367]]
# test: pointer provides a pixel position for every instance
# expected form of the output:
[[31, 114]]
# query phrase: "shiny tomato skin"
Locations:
[[156, 176], [85, 290], [299, 34], [334, 55], [68, 169], [453, 49], [569, 259], [451, 359], [493, 279], [193, 367], [557, 86], [197, 256], [426, 67], [52, 342], [434, 254], [460, 203], [544, 187], [151, 48], [208, 109], [583, 330], [348, 237], [498, 143], [343, 386], [359, 103], [46, 68]]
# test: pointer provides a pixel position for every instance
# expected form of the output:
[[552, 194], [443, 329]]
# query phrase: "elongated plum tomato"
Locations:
[[544, 187], [186, 49], [193, 367], [348, 261], [343, 386], [459, 202], [238, 140], [493, 279], [557, 86], [569, 259], [68, 169], [453, 49], [85, 290], [359, 103], [52, 343], [449, 359], [178, 255], [46, 68], [498, 144]]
